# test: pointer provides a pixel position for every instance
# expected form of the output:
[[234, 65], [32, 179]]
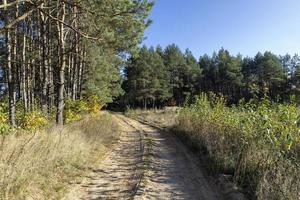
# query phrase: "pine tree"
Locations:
[[48, 56], [147, 81]]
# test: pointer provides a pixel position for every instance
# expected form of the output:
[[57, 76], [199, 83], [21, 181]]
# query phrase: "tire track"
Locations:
[[146, 164]]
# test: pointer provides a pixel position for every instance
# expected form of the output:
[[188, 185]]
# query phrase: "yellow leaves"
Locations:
[[4, 127], [250, 139], [94, 104], [34, 120], [270, 124], [75, 109], [71, 116]]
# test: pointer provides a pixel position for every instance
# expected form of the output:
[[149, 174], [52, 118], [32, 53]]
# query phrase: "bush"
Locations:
[[257, 142], [34, 120], [75, 109], [4, 127], [94, 104]]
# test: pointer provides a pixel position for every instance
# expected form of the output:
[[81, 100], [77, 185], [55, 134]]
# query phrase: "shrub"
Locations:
[[74, 110], [94, 104], [4, 127], [33, 120], [257, 142]]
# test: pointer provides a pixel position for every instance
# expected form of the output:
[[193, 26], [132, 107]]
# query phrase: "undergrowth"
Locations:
[[259, 143], [33, 119]]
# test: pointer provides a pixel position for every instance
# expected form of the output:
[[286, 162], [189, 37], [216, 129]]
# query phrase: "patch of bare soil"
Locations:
[[145, 164]]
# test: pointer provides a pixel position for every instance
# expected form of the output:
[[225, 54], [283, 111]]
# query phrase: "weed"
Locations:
[[257, 142], [43, 165]]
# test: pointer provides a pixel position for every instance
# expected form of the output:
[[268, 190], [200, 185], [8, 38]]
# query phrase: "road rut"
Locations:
[[146, 164]]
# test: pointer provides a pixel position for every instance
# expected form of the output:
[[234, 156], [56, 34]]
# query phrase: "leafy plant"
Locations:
[[256, 142], [74, 109], [4, 126], [34, 120]]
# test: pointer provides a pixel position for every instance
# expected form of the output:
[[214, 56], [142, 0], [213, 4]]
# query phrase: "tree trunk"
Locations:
[[11, 92], [44, 96], [60, 93], [80, 73], [23, 79], [50, 70], [9, 72]]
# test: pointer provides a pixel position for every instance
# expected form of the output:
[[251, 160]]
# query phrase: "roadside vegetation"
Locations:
[[162, 118], [42, 164], [257, 142]]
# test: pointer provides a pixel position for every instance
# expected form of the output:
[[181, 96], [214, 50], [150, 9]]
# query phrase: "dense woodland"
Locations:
[[157, 77], [58, 50]]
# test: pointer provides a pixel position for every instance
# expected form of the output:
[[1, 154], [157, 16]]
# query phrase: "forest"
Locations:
[[55, 51], [182, 124], [157, 77]]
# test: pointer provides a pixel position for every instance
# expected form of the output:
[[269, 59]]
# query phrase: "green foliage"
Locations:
[[147, 79], [74, 109], [258, 142], [94, 104], [181, 76], [34, 120], [102, 77], [4, 125], [121, 24], [184, 72], [159, 77]]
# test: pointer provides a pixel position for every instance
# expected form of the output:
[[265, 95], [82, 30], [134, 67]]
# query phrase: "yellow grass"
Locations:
[[161, 118], [42, 165]]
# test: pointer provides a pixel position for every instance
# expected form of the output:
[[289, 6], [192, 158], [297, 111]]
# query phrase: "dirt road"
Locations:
[[145, 164]]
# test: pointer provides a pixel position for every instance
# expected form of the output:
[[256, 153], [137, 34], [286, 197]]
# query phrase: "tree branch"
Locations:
[[5, 5], [71, 27], [22, 17]]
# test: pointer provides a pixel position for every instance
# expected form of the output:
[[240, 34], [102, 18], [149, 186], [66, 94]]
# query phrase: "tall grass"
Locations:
[[258, 143], [42, 165], [161, 118]]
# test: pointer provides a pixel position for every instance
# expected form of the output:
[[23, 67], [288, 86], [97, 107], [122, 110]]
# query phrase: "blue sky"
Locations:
[[241, 26]]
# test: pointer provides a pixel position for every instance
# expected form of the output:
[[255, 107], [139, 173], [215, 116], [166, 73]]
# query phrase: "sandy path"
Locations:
[[145, 164]]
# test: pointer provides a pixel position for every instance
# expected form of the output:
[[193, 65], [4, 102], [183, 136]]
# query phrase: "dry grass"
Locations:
[[160, 118], [42, 165], [257, 144], [216, 135]]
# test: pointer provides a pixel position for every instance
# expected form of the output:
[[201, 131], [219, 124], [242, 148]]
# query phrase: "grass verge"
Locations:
[[42, 165], [256, 143], [160, 118]]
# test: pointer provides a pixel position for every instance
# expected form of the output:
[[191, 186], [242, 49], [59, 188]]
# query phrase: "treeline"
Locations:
[[53, 50], [158, 77]]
